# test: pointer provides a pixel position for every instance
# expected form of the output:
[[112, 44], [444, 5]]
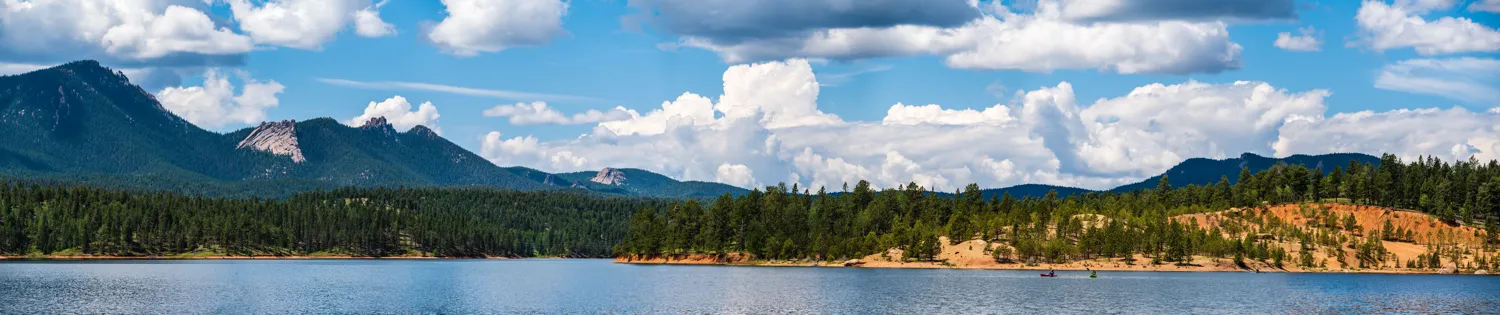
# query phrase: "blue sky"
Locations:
[[599, 55]]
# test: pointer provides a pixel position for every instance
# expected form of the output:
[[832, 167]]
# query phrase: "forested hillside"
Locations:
[[784, 223], [77, 221], [82, 123]]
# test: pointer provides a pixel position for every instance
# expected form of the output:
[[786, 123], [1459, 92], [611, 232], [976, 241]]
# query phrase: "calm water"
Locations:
[[598, 286]]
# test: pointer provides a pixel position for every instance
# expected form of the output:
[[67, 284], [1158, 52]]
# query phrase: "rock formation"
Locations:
[[609, 176], [279, 138]]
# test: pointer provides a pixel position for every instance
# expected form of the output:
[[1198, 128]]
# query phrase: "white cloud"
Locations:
[[1042, 136], [18, 68], [784, 94], [421, 86], [1006, 40], [901, 114], [1492, 6], [137, 30], [1454, 133], [1310, 40], [777, 94], [1386, 26], [536, 113], [214, 104], [306, 24], [475, 26], [735, 174], [1468, 79], [398, 112], [515, 151], [367, 22]]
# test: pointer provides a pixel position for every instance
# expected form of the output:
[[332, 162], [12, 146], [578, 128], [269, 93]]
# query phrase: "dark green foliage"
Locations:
[[359, 222], [782, 223]]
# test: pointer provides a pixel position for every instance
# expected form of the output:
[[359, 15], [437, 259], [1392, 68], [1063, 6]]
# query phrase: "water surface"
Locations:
[[599, 286]]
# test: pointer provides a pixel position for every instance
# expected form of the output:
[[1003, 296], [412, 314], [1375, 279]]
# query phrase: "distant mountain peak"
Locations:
[[279, 138], [379, 124], [376, 122], [610, 176]]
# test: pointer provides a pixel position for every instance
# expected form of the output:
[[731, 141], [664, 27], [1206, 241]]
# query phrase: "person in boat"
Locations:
[[1052, 273], [1093, 274]]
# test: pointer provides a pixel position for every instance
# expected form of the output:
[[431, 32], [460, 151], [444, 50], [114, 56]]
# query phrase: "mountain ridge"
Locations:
[[88, 124]]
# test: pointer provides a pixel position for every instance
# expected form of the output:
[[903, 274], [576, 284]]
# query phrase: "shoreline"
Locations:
[[336, 257], [1021, 267]]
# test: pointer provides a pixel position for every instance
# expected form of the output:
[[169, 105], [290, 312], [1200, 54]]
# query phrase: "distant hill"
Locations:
[[1032, 190], [83, 123], [629, 181], [1199, 171]]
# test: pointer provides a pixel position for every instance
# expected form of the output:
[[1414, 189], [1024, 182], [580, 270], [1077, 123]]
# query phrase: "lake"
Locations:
[[599, 286]]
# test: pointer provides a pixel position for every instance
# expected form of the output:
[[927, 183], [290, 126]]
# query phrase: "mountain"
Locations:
[[629, 181], [1200, 171], [83, 123]]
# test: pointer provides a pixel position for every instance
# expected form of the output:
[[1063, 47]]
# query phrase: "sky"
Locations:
[[942, 93]]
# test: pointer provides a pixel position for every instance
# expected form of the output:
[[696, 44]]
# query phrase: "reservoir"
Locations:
[[573, 286]]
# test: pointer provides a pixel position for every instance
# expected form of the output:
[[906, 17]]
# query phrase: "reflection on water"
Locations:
[[598, 286]]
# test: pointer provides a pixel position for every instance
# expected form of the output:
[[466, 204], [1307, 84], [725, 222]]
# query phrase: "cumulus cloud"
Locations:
[[1004, 40], [306, 24], [1389, 26], [142, 32], [367, 22], [214, 104], [536, 113], [735, 174], [398, 112], [1492, 6], [1041, 136], [1310, 40], [475, 26], [1468, 79], [1455, 133], [902, 114], [1116, 10], [776, 94]]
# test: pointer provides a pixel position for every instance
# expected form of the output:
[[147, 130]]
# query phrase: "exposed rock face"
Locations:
[[279, 138], [375, 122], [609, 176], [854, 263], [379, 124]]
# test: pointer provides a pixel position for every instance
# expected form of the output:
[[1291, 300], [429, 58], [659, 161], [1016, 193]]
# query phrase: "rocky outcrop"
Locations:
[[854, 263], [379, 124], [609, 176], [279, 138], [375, 122]]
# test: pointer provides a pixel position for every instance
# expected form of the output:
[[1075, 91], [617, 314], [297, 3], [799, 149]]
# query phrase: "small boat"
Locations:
[[1050, 275]]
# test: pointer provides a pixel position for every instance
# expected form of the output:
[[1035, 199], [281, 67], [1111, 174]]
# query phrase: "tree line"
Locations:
[[460, 222], [793, 223]]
